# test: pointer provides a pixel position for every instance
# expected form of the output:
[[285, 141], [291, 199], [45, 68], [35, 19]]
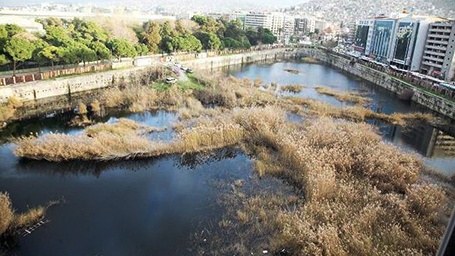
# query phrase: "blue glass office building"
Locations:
[[382, 39]]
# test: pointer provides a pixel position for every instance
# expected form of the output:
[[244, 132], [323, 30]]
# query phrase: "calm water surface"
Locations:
[[152, 207], [418, 138]]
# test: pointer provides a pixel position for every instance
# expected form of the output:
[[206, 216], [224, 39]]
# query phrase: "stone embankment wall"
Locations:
[[428, 99], [66, 85], [239, 59]]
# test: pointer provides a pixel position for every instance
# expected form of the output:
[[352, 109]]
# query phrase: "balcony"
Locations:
[[443, 30], [431, 64], [436, 47], [442, 54], [438, 42]]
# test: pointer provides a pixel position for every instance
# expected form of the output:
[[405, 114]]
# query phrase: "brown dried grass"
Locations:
[[10, 221], [343, 96], [352, 113], [294, 88], [6, 212], [8, 110], [362, 196]]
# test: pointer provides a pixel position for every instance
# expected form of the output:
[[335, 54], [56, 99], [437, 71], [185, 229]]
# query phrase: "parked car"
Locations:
[[170, 80]]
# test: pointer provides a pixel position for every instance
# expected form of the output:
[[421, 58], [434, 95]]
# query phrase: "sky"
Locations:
[[262, 3]]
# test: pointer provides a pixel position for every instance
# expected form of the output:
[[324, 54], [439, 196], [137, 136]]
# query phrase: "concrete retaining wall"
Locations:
[[428, 99], [67, 85], [236, 59], [64, 86]]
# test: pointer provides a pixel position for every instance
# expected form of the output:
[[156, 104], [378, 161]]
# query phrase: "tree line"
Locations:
[[80, 41]]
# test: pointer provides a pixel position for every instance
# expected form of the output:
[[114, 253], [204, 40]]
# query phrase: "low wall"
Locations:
[[242, 58], [64, 85], [428, 99]]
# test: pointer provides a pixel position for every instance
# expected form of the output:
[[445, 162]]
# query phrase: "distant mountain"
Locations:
[[351, 10]]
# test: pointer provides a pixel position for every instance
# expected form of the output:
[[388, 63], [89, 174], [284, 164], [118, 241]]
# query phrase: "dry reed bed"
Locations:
[[294, 88], [351, 113], [362, 196], [343, 96], [8, 109], [11, 221]]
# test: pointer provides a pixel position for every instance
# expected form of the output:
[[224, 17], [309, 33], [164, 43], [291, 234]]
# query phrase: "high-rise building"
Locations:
[[288, 28], [409, 41], [363, 36], [277, 23], [258, 19], [304, 25], [280, 24], [383, 32], [438, 57], [300, 26]]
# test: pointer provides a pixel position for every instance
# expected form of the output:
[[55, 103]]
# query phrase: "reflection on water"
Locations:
[[142, 207], [59, 123], [152, 206], [436, 145]]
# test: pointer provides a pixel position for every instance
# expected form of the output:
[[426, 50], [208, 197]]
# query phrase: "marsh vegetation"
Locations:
[[353, 193]]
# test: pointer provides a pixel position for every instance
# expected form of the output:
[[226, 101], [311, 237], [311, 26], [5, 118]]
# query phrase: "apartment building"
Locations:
[[409, 41], [258, 19], [438, 57], [304, 25]]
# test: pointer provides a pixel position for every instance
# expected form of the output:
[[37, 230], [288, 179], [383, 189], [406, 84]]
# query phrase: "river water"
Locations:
[[154, 206], [416, 138]]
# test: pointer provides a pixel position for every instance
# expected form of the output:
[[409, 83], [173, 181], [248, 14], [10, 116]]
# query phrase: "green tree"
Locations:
[[50, 53], [68, 54], [166, 29], [141, 49], [58, 36], [88, 31], [101, 51], [19, 49], [121, 48], [199, 19], [210, 41], [39, 45], [268, 37], [85, 54], [166, 44], [186, 42], [152, 37], [3, 59]]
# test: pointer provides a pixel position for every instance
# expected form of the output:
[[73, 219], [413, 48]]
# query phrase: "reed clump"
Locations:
[[362, 196], [343, 96], [8, 109], [96, 107], [294, 88], [11, 221], [81, 108], [353, 113]]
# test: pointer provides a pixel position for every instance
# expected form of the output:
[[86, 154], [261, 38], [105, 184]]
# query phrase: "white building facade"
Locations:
[[439, 52]]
